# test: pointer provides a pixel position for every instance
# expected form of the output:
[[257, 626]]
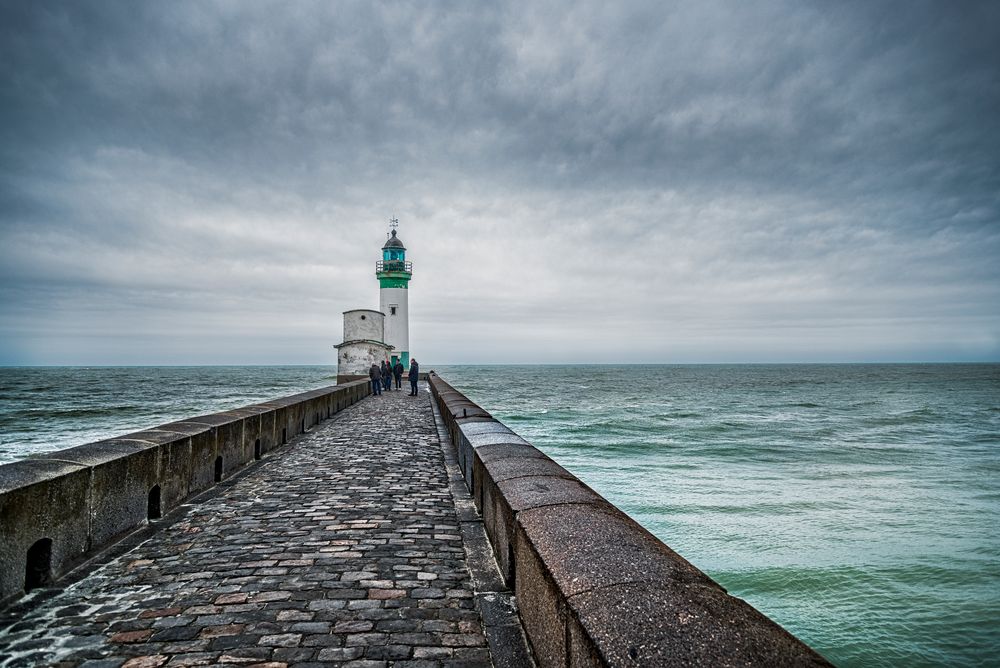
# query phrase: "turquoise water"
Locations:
[[857, 505]]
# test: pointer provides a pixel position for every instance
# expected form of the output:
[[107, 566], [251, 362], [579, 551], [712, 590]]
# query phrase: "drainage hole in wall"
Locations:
[[38, 569], [153, 504], [218, 469], [256, 449]]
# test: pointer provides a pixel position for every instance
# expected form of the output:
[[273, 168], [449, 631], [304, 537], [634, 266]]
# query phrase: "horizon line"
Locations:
[[467, 364]]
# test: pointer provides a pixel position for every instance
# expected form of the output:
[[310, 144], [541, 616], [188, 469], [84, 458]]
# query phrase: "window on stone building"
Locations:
[[392, 309]]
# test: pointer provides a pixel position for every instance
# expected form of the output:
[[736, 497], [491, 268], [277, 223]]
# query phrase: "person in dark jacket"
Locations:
[[414, 376], [376, 378], [397, 372], [386, 376]]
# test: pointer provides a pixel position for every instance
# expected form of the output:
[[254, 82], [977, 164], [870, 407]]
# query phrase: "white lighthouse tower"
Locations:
[[394, 272]]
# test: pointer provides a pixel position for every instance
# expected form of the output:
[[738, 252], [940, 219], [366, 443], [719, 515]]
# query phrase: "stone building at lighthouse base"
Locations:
[[364, 344]]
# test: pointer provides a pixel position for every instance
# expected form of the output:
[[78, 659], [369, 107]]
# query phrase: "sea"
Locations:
[[857, 505]]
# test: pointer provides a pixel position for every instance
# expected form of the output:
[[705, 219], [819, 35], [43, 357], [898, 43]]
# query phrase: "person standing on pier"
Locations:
[[376, 377], [414, 376], [386, 376], [397, 372]]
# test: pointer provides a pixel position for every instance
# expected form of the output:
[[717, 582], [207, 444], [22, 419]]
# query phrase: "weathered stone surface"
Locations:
[[499, 470], [671, 623], [502, 502], [494, 438], [492, 427], [591, 546], [563, 550], [540, 605], [41, 499], [488, 453], [200, 468], [122, 473], [536, 491]]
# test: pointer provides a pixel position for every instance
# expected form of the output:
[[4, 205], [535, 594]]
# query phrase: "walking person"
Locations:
[[376, 378], [414, 376], [386, 376], [397, 373]]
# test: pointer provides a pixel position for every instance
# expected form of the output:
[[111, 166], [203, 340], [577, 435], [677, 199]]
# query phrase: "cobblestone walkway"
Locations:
[[344, 547]]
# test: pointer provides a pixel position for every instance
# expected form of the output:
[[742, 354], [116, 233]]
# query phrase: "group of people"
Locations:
[[382, 376]]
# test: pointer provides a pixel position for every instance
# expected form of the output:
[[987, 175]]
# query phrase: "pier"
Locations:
[[349, 545], [336, 528]]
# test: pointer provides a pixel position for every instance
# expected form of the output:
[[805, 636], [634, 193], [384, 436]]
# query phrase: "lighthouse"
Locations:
[[394, 272]]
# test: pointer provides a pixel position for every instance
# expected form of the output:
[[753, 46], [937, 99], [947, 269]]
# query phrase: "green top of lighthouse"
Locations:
[[393, 271]]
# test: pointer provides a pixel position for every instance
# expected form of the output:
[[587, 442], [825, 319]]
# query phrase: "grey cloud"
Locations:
[[699, 172]]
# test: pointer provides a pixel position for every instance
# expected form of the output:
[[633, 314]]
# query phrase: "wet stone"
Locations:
[[342, 546]]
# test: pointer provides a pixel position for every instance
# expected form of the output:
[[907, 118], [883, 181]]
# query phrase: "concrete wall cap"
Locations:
[[472, 417], [185, 427], [522, 467], [480, 440], [459, 405], [214, 419], [673, 624], [536, 491], [488, 453], [285, 402], [249, 411], [28, 472], [99, 452], [491, 427], [592, 546], [158, 436], [274, 405]]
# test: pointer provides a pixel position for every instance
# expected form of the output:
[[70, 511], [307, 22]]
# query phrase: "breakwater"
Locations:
[[593, 587], [59, 508]]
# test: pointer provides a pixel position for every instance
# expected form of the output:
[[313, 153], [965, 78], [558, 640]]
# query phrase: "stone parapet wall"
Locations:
[[59, 508], [593, 587]]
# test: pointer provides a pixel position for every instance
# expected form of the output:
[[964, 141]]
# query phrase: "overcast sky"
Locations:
[[210, 182]]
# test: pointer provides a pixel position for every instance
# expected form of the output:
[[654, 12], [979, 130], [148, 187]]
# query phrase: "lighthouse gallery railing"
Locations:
[[394, 265]]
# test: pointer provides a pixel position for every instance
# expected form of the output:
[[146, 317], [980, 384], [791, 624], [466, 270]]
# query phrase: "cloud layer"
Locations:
[[693, 182]]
